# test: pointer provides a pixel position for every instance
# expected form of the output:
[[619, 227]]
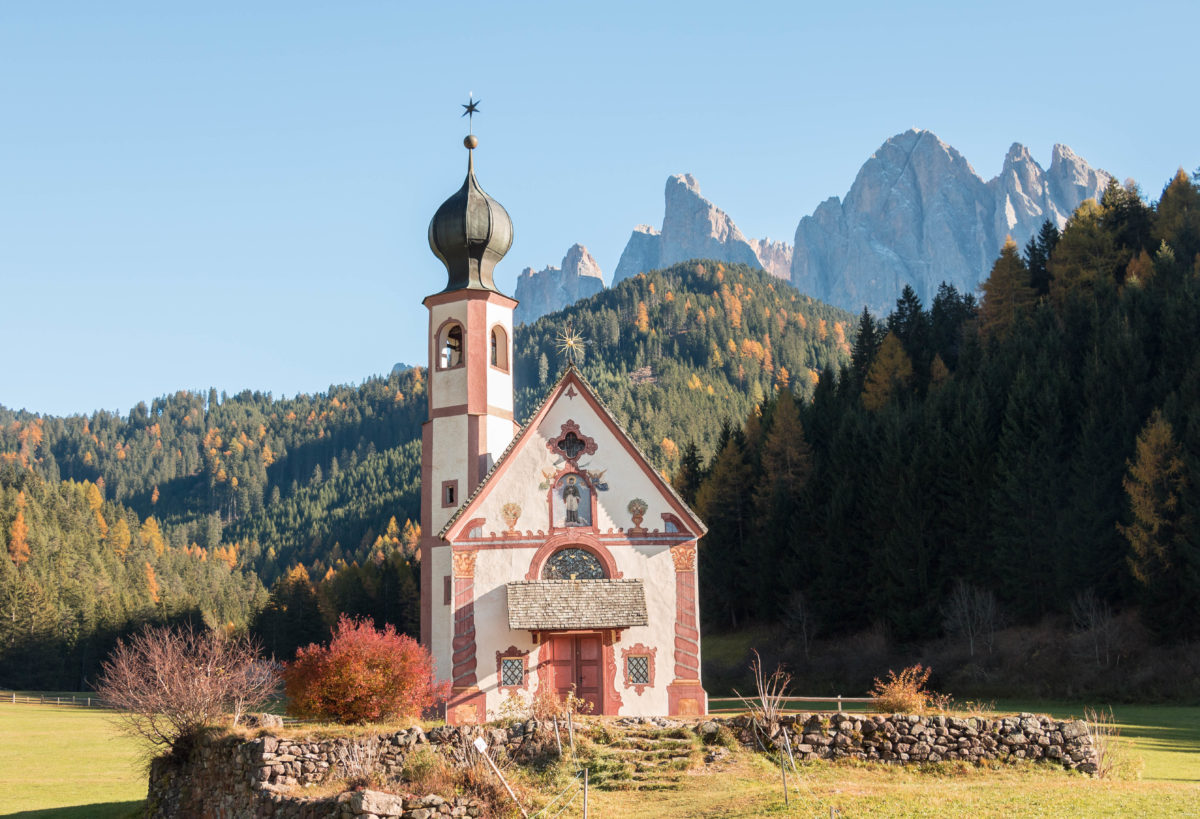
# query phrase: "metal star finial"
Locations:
[[571, 344], [472, 106]]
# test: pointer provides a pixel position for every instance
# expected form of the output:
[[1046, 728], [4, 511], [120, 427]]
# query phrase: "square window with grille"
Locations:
[[638, 670], [512, 671]]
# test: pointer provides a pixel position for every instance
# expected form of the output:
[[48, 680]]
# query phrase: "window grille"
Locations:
[[512, 671], [637, 668]]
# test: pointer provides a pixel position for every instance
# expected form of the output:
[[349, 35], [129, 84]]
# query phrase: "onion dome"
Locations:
[[470, 232]]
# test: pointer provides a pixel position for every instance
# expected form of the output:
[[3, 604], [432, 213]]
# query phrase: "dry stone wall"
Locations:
[[908, 738], [231, 777]]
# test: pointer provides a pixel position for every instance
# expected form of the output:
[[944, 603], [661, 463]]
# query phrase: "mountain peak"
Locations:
[[919, 214], [685, 180], [694, 228], [544, 291]]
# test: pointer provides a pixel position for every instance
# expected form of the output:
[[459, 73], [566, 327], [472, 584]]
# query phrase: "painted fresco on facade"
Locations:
[[573, 501]]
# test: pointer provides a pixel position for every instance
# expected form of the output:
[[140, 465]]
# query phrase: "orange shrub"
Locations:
[[904, 692], [363, 675]]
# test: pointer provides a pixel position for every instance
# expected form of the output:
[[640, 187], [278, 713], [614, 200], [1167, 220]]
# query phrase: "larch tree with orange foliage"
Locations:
[[18, 535]]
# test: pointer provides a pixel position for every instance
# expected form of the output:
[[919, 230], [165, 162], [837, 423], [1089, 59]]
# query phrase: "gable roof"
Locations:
[[572, 377]]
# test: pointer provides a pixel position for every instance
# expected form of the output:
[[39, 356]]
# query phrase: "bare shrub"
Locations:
[[904, 692], [971, 614], [170, 684], [357, 762], [767, 707], [1105, 736], [1093, 618], [800, 621]]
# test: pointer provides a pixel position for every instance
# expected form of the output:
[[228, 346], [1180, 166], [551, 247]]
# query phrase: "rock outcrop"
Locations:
[[919, 214], [544, 291], [694, 228]]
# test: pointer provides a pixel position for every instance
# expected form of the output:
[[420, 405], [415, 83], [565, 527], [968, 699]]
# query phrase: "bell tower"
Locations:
[[470, 393]]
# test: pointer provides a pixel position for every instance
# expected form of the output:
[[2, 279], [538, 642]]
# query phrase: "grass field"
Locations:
[[69, 763], [65, 763]]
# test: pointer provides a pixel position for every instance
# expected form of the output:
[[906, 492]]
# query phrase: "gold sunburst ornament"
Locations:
[[571, 345]]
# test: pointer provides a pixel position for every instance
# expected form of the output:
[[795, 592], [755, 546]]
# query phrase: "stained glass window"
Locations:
[[573, 564], [512, 671], [637, 669]]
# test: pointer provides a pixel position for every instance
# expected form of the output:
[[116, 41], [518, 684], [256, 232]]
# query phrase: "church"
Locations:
[[554, 556]]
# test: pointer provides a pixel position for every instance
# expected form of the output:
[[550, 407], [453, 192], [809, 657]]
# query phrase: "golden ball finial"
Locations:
[[471, 141]]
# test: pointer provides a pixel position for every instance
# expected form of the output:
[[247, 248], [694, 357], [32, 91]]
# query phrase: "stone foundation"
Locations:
[[231, 778], [908, 738]]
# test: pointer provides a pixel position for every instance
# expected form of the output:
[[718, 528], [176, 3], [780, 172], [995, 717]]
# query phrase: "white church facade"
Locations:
[[553, 556]]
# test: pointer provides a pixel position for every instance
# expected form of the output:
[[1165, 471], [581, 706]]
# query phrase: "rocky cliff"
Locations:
[[919, 214], [544, 291], [694, 228]]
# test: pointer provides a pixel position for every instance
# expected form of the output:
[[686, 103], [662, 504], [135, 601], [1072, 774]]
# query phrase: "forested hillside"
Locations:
[[1038, 455], [317, 496], [80, 570], [676, 352]]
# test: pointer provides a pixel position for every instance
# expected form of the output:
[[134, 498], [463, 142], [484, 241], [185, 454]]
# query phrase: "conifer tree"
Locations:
[[786, 466], [1178, 218], [890, 374], [1164, 560], [1086, 255], [1006, 293], [724, 504], [866, 345]]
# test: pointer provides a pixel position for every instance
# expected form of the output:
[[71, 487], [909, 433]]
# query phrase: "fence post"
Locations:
[[839, 703], [585, 793]]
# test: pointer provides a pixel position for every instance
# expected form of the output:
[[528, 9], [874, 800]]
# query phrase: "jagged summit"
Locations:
[[694, 228], [919, 214], [552, 288]]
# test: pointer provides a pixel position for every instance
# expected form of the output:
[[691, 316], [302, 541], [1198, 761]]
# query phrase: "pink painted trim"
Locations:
[[507, 350], [571, 380], [610, 704], [638, 650], [512, 653], [593, 499], [488, 296], [575, 538], [569, 426], [436, 348], [454, 503]]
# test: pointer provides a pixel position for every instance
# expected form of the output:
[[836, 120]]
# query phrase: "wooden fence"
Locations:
[[76, 700], [736, 705]]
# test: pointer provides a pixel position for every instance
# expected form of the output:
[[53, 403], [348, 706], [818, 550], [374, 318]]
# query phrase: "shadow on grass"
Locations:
[[105, 810]]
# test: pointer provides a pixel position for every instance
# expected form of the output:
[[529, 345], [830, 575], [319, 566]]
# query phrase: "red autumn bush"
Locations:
[[363, 675]]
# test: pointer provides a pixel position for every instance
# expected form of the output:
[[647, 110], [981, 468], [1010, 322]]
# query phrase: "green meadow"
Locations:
[[68, 763]]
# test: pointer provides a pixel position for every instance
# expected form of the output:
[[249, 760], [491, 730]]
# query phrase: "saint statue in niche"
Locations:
[[574, 507]]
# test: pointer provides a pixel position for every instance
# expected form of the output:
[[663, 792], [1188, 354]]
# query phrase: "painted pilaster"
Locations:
[[467, 703], [685, 695]]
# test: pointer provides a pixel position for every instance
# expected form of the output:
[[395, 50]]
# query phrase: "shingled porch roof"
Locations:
[[560, 605]]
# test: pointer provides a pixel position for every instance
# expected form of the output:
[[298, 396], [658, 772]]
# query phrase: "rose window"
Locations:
[[573, 564]]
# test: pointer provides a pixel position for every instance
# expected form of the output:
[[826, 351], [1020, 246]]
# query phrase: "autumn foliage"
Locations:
[[363, 675]]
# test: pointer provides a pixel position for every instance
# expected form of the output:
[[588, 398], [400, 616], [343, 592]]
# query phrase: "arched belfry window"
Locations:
[[499, 356], [451, 347], [573, 563]]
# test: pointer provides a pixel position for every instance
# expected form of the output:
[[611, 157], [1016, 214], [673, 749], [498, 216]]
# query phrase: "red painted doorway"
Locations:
[[577, 664]]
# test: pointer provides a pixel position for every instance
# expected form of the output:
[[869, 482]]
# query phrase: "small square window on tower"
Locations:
[[637, 669], [449, 494]]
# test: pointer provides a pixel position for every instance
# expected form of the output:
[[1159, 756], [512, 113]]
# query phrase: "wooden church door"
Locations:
[[577, 663]]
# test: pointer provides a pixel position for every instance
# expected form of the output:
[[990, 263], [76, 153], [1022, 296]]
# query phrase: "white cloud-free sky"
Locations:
[[236, 194]]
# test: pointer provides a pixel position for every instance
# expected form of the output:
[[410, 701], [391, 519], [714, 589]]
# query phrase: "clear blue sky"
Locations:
[[235, 194]]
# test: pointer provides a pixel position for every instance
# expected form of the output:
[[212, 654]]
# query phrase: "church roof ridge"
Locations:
[[571, 369]]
